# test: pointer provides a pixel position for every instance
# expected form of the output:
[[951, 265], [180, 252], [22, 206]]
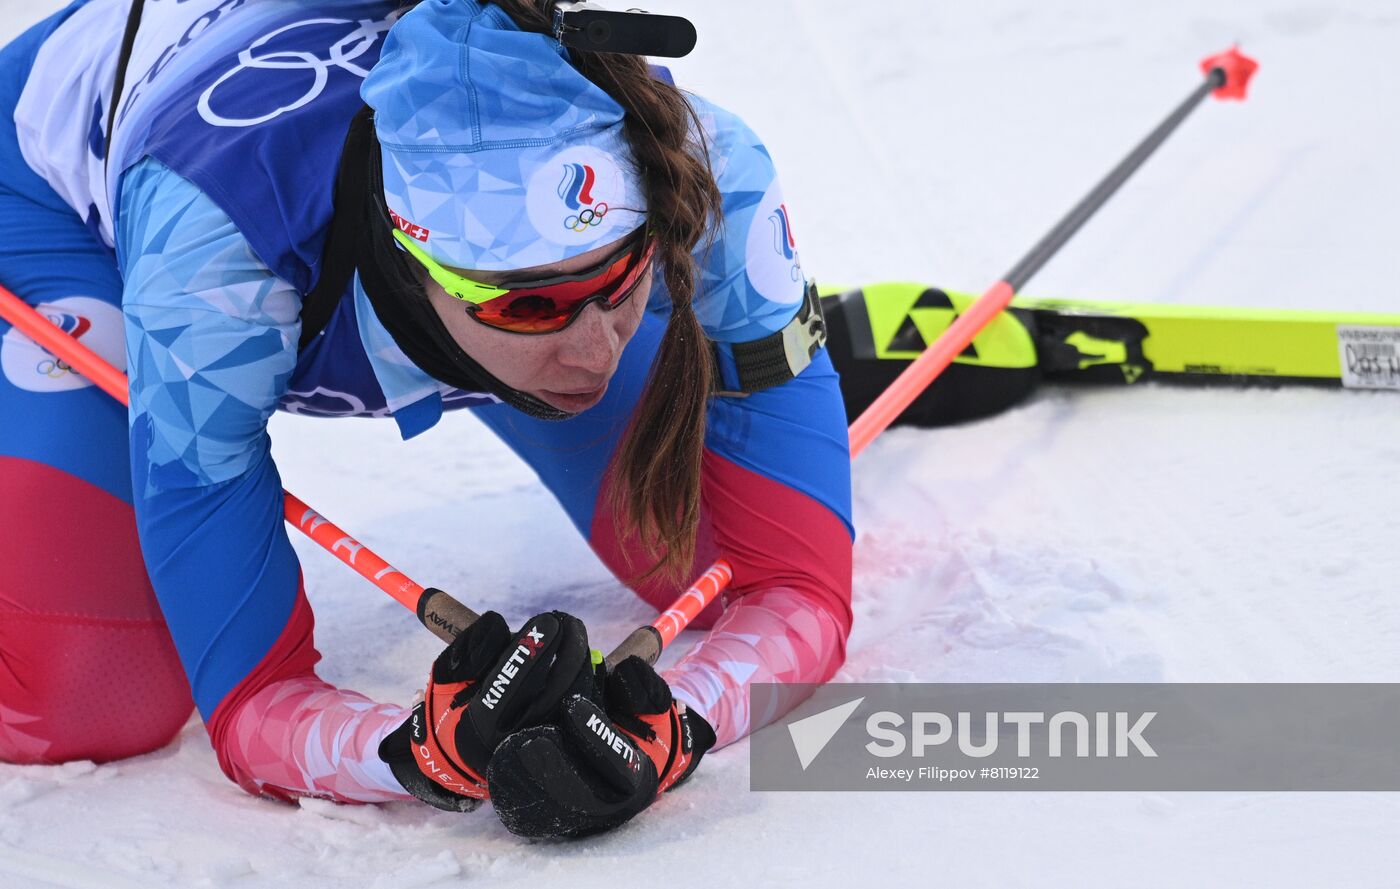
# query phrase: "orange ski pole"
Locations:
[[437, 610], [1227, 76]]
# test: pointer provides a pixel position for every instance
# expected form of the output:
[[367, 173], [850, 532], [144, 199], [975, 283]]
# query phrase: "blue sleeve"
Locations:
[[211, 343], [752, 284]]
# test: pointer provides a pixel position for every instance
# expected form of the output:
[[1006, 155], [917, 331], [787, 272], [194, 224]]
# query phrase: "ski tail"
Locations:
[[1110, 342]]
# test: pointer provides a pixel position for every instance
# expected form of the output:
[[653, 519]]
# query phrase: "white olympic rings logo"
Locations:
[[342, 55]]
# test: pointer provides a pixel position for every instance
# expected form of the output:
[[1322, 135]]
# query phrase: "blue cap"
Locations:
[[498, 154]]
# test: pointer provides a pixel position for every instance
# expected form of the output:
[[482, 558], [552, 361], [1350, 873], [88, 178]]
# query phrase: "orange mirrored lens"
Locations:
[[551, 308]]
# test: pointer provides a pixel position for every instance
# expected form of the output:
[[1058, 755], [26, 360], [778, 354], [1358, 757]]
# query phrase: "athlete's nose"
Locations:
[[593, 342]]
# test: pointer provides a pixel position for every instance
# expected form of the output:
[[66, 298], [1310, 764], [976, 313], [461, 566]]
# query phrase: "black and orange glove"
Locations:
[[485, 685], [595, 768]]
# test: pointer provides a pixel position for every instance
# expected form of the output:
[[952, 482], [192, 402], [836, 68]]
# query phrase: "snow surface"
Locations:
[[1145, 534]]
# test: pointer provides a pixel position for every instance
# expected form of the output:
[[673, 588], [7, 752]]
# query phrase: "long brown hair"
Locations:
[[655, 475]]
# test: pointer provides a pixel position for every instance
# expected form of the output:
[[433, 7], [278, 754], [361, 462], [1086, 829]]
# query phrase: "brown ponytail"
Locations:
[[655, 490]]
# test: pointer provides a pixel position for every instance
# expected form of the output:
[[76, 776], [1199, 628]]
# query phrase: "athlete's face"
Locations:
[[569, 369]]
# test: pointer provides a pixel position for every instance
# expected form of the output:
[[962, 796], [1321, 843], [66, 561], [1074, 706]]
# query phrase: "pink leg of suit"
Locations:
[[87, 667]]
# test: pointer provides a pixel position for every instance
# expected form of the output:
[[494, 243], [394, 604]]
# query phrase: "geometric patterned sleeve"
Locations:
[[211, 337], [286, 733], [778, 635], [303, 737], [211, 344]]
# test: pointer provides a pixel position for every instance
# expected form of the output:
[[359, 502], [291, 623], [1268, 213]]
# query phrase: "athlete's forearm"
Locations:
[[777, 635], [283, 732], [304, 737]]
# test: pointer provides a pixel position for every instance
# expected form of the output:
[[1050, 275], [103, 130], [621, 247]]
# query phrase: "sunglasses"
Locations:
[[545, 305]]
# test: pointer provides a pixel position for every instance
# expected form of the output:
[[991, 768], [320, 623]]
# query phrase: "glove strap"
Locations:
[[672, 745], [433, 760]]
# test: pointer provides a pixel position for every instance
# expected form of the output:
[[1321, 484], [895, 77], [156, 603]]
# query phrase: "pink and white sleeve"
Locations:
[[285, 733], [777, 635], [304, 737]]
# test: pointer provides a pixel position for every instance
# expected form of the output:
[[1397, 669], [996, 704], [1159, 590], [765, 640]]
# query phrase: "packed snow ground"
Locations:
[[1147, 534]]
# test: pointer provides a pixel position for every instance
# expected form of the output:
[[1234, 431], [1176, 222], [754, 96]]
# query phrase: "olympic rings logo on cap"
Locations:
[[773, 264], [580, 195], [576, 190], [591, 216]]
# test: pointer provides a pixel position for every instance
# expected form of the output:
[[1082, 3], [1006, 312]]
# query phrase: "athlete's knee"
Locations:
[[87, 666], [87, 688]]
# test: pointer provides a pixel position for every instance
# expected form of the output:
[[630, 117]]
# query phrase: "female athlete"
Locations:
[[357, 209]]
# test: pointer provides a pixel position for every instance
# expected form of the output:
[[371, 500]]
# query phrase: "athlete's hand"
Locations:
[[485, 685], [594, 769]]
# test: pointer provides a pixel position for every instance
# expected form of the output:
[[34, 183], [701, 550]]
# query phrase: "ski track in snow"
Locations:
[[1150, 534]]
